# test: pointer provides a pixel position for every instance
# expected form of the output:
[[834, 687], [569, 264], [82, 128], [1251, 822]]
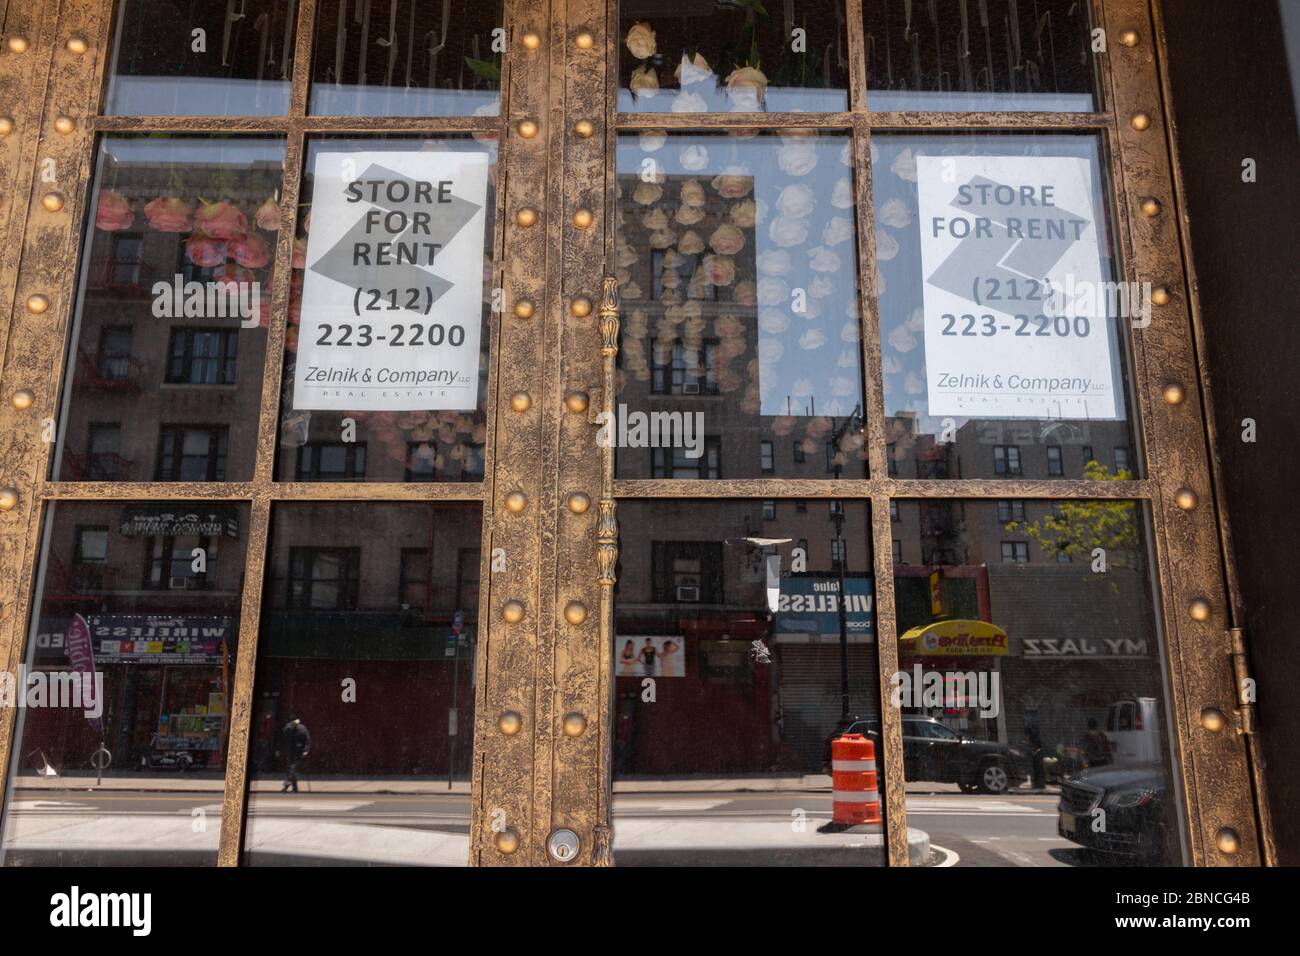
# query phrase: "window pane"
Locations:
[[364, 698], [120, 774], [1029, 658], [211, 57], [708, 57], [723, 621], [1004, 328], [203, 212], [389, 308], [990, 55], [429, 59], [739, 250]]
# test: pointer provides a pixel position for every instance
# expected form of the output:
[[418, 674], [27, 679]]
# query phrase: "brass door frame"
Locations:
[[547, 620]]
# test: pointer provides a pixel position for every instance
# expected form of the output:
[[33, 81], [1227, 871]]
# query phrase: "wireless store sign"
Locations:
[[392, 294], [1015, 308]]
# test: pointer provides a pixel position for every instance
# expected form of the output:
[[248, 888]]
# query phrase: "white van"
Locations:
[[1133, 727]]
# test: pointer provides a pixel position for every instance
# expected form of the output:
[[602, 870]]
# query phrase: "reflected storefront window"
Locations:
[[418, 58], [386, 349], [699, 57], [126, 685], [1004, 323], [949, 55], [361, 745], [169, 334], [735, 664], [1033, 695], [740, 353], [201, 59]]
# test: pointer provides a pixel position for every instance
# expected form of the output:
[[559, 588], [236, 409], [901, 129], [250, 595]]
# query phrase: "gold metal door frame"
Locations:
[[544, 676]]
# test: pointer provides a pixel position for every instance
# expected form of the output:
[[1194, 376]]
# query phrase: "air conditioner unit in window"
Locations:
[[688, 594], [182, 583], [690, 388]]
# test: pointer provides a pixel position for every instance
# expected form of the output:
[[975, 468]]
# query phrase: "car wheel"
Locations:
[[967, 787], [993, 778], [184, 762]]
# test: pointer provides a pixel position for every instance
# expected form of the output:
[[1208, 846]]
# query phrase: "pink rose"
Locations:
[[113, 214], [268, 215], [204, 251], [719, 270], [169, 214], [251, 251], [221, 220]]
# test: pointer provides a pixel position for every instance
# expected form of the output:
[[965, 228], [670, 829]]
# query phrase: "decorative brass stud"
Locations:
[[1150, 207], [527, 128], [52, 202], [1129, 38], [584, 41], [526, 216], [579, 503], [1174, 393], [64, 125], [524, 308], [77, 45], [38, 304], [576, 401], [508, 840], [512, 612], [23, 399], [1227, 840], [18, 44], [1213, 719], [575, 612], [1140, 121], [582, 218], [516, 501], [584, 128], [1199, 610], [509, 723], [531, 40], [574, 724], [8, 499], [521, 401], [1185, 498], [581, 306], [1160, 295], [6, 125]]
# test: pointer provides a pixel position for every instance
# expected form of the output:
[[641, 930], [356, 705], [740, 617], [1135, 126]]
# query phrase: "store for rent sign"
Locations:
[[392, 294], [1015, 305]]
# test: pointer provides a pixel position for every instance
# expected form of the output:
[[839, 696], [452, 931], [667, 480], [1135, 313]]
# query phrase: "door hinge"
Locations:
[[1244, 683]]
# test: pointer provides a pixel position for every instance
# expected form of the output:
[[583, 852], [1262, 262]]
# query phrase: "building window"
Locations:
[[324, 579], [674, 462], [685, 370], [1006, 459], [92, 544], [170, 561], [1087, 454], [687, 572], [891, 462], [331, 461], [188, 453], [837, 508], [1121, 459], [801, 506], [831, 452], [898, 551], [893, 511], [1055, 465], [202, 356], [766, 457], [114, 358], [414, 581], [103, 447], [803, 546], [837, 552], [127, 258], [1063, 556], [1015, 551], [799, 456], [468, 565], [769, 510], [1011, 510]]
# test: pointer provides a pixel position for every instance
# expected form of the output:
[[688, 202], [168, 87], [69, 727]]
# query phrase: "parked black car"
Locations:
[[937, 754], [1133, 801]]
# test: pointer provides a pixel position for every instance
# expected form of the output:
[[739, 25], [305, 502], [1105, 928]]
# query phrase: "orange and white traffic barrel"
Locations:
[[856, 797]]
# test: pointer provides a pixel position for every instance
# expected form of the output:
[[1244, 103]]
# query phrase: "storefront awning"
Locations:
[[956, 638]]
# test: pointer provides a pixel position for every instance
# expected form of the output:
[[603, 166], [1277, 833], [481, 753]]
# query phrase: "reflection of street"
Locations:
[[1012, 829]]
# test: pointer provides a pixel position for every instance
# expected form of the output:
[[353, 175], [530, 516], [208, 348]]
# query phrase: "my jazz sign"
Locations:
[[393, 290], [1015, 309]]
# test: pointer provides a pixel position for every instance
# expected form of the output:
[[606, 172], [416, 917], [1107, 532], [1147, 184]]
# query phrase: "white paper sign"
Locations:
[[1015, 308], [392, 298]]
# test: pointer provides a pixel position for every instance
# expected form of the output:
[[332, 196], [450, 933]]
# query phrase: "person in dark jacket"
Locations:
[[295, 742]]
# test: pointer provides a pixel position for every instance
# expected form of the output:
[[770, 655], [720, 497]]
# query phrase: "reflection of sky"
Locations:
[[957, 101], [195, 150], [803, 239], [898, 253], [711, 96], [332, 99], [196, 96]]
